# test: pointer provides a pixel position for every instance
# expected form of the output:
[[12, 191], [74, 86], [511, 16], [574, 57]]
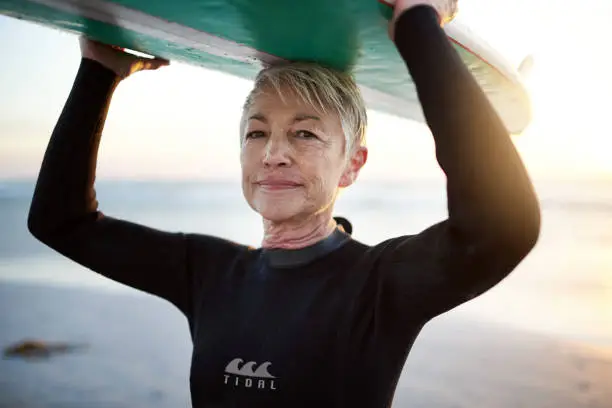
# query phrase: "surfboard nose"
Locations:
[[526, 66]]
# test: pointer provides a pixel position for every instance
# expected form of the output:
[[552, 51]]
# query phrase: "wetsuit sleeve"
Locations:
[[493, 213], [64, 211]]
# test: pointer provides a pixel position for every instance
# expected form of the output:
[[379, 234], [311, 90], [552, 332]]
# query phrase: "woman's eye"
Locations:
[[255, 134], [304, 134]]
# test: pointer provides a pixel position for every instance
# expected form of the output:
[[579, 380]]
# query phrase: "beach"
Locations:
[[540, 339], [138, 348]]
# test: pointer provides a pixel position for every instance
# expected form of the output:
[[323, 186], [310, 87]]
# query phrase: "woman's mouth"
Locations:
[[278, 184]]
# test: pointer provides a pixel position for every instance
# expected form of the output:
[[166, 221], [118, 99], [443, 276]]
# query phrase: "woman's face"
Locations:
[[293, 159]]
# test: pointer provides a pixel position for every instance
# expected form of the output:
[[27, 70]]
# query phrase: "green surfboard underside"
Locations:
[[343, 34]]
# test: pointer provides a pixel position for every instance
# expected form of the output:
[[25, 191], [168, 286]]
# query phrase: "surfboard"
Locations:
[[239, 37]]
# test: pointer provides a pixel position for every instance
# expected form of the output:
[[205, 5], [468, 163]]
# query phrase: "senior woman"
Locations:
[[313, 318]]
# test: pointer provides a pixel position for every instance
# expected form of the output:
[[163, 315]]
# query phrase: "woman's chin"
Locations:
[[277, 210]]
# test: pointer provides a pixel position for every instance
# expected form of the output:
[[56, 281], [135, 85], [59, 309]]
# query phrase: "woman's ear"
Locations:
[[353, 167]]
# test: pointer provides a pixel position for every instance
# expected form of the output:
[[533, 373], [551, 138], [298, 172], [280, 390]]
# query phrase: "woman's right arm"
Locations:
[[64, 211]]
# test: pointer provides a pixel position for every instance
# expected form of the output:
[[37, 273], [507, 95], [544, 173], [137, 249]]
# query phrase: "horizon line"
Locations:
[[365, 180]]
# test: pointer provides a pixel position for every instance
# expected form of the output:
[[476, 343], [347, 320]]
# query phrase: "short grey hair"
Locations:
[[322, 88]]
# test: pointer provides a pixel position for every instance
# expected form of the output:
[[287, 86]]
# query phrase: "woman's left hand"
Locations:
[[447, 9]]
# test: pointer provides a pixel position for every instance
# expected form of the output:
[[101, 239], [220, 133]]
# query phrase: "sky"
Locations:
[[181, 122]]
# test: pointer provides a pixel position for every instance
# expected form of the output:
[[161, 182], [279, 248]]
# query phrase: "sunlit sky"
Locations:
[[182, 121]]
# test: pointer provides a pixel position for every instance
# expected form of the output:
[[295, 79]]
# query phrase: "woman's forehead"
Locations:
[[271, 104]]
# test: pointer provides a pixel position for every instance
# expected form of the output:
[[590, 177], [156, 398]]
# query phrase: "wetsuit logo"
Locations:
[[248, 376]]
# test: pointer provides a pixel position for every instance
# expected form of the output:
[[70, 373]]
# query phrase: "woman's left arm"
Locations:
[[493, 212]]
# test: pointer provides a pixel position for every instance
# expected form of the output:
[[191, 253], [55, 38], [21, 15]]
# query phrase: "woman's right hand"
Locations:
[[122, 63]]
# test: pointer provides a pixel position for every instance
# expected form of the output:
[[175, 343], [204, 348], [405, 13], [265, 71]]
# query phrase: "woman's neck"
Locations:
[[298, 234]]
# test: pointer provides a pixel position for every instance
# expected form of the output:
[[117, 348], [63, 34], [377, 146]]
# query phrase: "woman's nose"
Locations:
[[277, 153]]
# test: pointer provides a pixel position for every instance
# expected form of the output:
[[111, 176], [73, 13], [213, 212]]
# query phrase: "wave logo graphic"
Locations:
[[249, 375], [248, 369]]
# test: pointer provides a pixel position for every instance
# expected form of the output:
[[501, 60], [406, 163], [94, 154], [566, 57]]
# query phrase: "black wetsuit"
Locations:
[[326, 326]]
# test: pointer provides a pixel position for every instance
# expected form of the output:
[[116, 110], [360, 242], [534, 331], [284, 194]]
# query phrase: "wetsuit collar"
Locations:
[[292, 258]]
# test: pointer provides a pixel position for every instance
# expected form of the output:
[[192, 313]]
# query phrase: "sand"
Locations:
[[138, 352]]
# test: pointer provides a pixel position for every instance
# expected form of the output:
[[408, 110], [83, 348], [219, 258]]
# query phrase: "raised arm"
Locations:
[[493, 213], [64, 212]]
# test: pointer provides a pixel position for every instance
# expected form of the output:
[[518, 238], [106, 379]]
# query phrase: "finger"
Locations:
[[155, 63], [162, 61], [86, 42]]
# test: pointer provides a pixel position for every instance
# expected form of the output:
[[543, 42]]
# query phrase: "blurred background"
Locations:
[[169, 159]]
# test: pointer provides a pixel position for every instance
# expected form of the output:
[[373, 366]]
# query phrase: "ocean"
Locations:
[[138, 353]]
